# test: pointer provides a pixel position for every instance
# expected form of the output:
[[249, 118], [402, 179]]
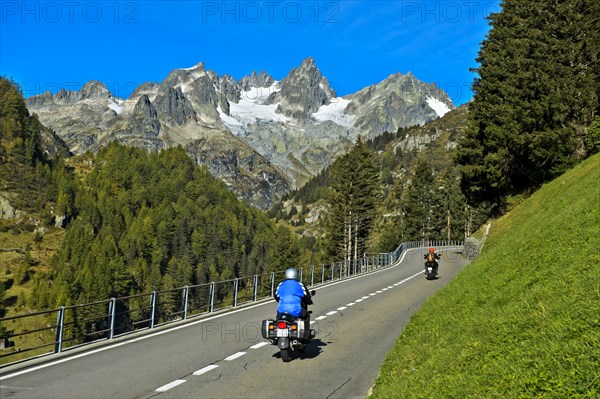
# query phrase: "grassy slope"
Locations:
[[523, 321]]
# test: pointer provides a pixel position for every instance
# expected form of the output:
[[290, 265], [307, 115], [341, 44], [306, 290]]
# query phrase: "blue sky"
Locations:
[[46, 45]]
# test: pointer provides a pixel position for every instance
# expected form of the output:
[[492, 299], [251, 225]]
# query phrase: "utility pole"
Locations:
[[449, 224]]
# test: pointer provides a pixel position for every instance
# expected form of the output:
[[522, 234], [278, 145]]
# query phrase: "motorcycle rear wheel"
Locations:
[[286, 354]]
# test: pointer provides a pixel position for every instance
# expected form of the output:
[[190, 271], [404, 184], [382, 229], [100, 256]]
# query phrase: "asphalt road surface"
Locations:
[[224, 356]]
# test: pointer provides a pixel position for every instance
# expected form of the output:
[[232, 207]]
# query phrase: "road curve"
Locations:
[[224, 356]]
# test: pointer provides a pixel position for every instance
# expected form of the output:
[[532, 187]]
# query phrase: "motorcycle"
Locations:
[[289, 333], [430, 270]]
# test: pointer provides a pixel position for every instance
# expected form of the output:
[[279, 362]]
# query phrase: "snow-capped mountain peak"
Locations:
[[292, 128]]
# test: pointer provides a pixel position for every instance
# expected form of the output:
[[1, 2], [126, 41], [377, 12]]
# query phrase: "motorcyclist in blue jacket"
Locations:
[[293, 297]]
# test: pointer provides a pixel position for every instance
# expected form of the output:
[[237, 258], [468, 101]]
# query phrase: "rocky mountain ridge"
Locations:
[[263, 137]]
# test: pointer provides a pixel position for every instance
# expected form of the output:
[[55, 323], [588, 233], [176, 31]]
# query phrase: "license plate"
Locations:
[[282, 333]]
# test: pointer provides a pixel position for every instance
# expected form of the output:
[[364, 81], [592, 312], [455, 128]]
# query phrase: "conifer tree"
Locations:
[[452, 207], [422, 204], [355, 191], [537, 90], [391, 221], [128, 237]]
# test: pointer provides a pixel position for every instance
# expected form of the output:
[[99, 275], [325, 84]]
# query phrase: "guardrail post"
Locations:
[[255, 287], [341, 267], [186, 291], [212, 297], [312, 275], [332, 269], [300, 275], [322, 274], [60, 323], [235, 291], [272, 284], [112, 310], [153, 307]]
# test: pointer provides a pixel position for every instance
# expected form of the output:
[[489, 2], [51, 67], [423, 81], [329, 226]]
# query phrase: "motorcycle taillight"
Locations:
[[281, 324]]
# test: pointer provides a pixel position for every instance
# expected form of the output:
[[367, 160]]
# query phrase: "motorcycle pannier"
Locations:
[[267, 331]]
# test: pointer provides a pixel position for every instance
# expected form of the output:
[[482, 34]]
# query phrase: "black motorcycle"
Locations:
[[289, 333], [430, 270]]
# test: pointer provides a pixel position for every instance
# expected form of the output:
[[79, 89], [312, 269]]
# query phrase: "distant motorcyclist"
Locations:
[[293, 298], [432, 257]]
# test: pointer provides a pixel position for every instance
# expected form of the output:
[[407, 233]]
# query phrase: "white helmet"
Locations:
[[291, 274]]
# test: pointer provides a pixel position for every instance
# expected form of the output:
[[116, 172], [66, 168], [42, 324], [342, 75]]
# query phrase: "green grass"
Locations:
[[523, 320], [10, 261]]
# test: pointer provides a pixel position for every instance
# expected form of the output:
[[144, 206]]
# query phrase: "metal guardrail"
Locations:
[[32, 334]]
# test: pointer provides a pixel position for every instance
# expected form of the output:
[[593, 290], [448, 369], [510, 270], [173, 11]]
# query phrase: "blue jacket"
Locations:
[[290, 294]]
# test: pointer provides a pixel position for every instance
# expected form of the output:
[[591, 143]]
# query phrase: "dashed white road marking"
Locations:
[[170, 385], [203, 320], [205, 369], [259, 345], [235, 356]]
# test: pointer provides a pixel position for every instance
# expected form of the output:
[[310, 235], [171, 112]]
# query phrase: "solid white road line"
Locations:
[[206, 369], [170, 385]]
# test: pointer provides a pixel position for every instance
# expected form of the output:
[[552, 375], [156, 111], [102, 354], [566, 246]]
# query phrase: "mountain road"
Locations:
[[357, 320]]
